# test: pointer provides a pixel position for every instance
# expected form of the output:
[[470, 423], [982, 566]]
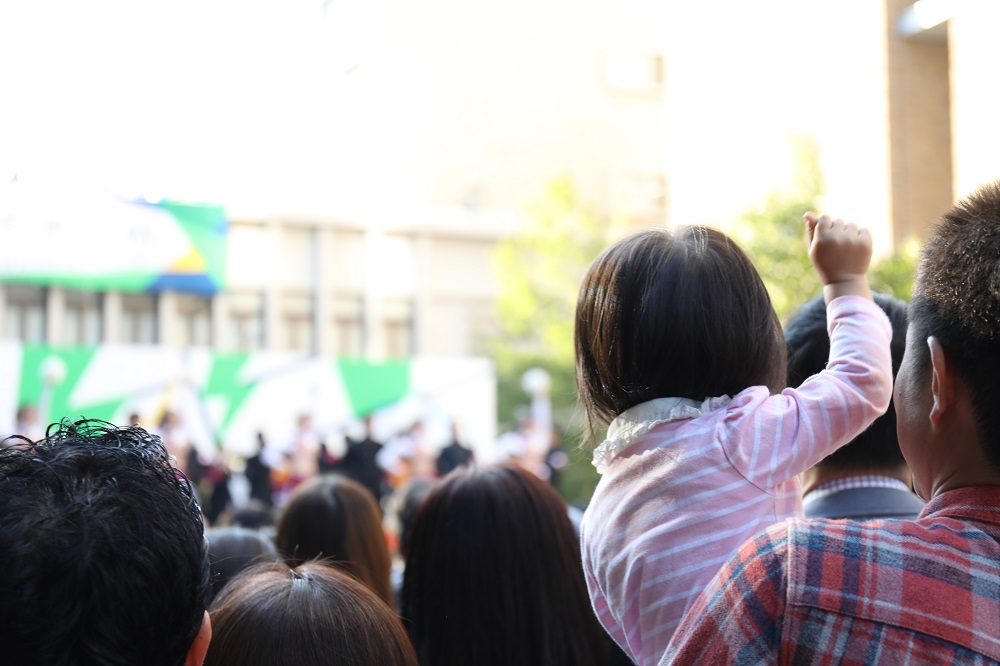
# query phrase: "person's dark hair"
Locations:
[[956, 298], [413, 495], [254, 515], [334, 518], [673, 313], [103, 558], [494, 576], [233, 549], [808, 342], [312, 615]]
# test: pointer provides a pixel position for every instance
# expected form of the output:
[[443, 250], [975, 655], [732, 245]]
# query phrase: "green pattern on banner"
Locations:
[[371, 386], [105, 411], [130, 282], [205, 227], [32, 384], [223, 381]]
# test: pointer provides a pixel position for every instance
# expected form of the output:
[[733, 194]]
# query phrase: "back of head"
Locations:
[[493, 575], [254, 515], [956, 298], [102, 554], [334, 518], [311, 615], [413, 495], [673, 313], [876, 449], [233, 549]]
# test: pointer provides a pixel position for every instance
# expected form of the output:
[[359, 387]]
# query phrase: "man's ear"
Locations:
[[942, 383], [198, 649]]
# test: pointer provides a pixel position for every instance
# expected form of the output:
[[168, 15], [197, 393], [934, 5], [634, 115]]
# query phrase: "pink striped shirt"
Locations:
[[686, 482]]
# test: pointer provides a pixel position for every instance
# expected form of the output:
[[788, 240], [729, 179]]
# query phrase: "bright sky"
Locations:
[[257, 103], [210, 99]]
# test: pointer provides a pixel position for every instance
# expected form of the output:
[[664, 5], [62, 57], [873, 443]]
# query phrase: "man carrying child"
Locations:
[[893, 592]]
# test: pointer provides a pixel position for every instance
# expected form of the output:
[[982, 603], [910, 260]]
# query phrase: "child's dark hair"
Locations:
[[673, 313]]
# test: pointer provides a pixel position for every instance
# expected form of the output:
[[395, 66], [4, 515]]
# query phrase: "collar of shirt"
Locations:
[[974, 503], [640, 419], [852, 482]]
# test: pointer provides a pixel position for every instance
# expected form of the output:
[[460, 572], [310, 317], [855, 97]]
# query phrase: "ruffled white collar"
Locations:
[[637, 421]]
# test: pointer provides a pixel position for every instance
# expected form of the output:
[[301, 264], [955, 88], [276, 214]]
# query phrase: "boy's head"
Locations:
[[102, 552], [673, 313], [876, 449], [956, 300]]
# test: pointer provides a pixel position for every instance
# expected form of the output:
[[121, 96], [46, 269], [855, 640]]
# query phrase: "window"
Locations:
[[139, 318], [83, 317], [398, 322], [348, 326], [246, 319], [25, 320], [297, 322], [195, 313]]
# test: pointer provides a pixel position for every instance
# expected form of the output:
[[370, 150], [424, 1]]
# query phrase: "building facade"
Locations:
[[661, 112]]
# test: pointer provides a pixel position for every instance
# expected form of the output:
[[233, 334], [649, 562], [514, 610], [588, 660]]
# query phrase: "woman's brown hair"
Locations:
[[493, 576], [673, 313], [336, 519], [311, 615]]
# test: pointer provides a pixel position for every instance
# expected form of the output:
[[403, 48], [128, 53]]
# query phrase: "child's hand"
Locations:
[[840, 253]]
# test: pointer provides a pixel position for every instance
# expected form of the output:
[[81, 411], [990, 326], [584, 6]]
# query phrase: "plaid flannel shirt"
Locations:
[[841, 592]]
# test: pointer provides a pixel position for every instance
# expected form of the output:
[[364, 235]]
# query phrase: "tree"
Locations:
[[540, 271], [894, 274], [774, 236]]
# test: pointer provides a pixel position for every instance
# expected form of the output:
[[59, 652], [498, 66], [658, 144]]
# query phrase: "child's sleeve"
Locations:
[[773, 438]]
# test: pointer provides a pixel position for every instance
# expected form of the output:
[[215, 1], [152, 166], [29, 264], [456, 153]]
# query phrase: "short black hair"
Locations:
[[673, 313], [956, 298], [103, 558], [876, 449], [233, 549], [254, 515], [413, 495]]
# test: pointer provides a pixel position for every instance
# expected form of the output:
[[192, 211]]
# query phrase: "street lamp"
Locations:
[[53, 373], [537, 383]]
